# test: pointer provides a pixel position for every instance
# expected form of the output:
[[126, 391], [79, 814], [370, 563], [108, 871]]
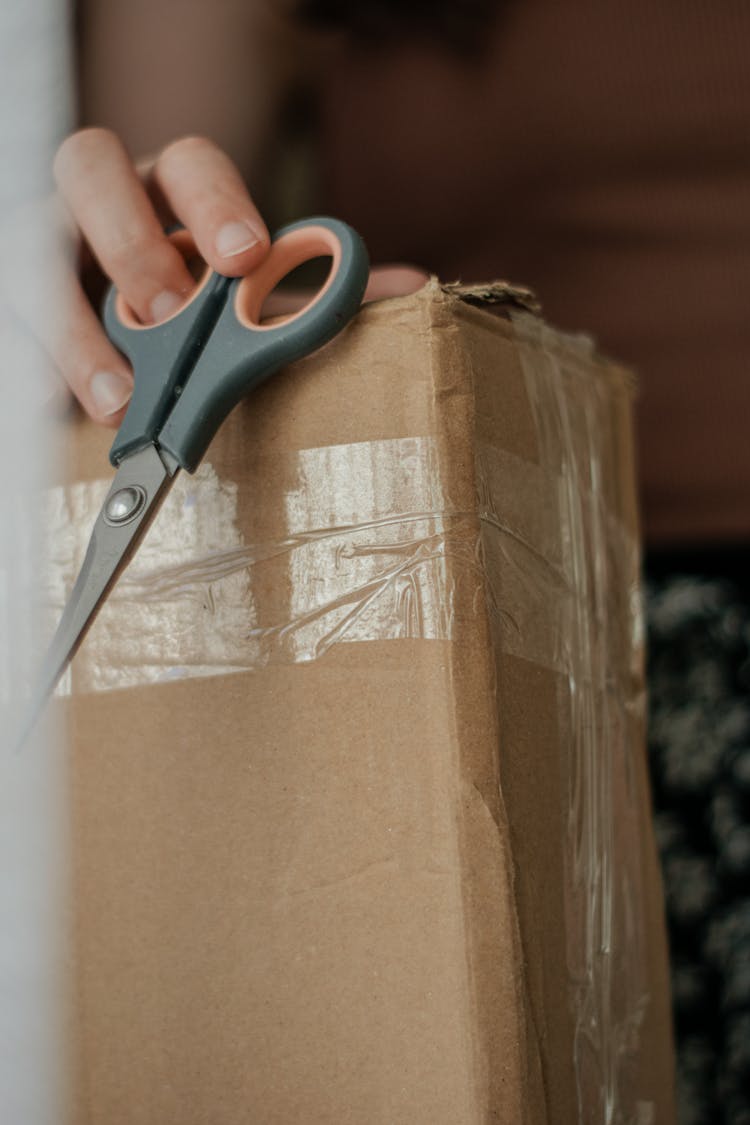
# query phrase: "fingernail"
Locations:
[[109, 392], [235, 238], [165, 304]]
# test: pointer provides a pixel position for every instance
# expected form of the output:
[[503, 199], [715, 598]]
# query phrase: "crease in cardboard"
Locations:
[[487, 886]]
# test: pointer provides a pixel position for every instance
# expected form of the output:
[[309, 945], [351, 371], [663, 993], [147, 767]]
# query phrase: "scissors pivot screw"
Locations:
[[124, 505], [208, 358]]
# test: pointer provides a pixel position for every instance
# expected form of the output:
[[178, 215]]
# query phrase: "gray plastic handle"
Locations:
[[161, 358], [192, 370]]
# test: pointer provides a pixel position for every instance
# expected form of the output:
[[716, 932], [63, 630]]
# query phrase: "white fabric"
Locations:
[[34, 103]]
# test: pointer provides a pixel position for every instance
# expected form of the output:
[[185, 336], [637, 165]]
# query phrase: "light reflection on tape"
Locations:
[[362, 557]]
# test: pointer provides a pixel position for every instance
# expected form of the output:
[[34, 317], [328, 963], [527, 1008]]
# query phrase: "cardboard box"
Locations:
[[361, 813]]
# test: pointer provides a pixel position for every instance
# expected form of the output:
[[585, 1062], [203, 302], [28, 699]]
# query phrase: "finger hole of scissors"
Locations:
[[256, 298], [295, 291], [199, 269]]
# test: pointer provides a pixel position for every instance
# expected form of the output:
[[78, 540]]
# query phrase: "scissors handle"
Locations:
[[225, 350], [161, 355]]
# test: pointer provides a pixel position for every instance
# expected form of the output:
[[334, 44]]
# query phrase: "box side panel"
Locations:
[[268, 927], [271, 923], [560, 547]]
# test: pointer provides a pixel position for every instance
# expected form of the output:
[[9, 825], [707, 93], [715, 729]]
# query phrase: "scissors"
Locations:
[[189, 373]]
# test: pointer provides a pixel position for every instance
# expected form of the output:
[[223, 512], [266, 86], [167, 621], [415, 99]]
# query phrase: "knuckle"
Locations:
[[79, 346], [75, 350], [86, 355], [77, 368], [140, 258], [129, 251], [184, 149], [81, 147]]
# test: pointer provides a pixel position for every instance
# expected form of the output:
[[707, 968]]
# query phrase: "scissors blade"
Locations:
[[138, 489]]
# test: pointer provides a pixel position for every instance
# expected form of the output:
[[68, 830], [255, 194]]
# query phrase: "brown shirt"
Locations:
[[599, 152]]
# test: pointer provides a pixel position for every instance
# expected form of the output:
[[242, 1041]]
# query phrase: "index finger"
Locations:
[[99, 185], [206, 192]]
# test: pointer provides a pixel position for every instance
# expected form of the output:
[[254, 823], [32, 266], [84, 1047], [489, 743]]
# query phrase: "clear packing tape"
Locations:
[[585, 583], [370, 550], [362, 558]]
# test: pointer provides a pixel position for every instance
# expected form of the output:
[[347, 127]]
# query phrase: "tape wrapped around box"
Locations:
[[360, 806]]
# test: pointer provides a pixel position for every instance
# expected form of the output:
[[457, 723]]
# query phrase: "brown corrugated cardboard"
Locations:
[[359, 795]]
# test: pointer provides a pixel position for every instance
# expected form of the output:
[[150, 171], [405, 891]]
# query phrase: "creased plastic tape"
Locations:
[[362, 557]]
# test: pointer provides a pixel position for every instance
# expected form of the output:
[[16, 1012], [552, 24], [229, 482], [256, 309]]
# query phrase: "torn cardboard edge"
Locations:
[[494, 293], [513, 301]]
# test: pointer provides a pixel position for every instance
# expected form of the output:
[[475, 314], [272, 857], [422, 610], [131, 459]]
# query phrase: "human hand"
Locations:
[[119, 212]]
